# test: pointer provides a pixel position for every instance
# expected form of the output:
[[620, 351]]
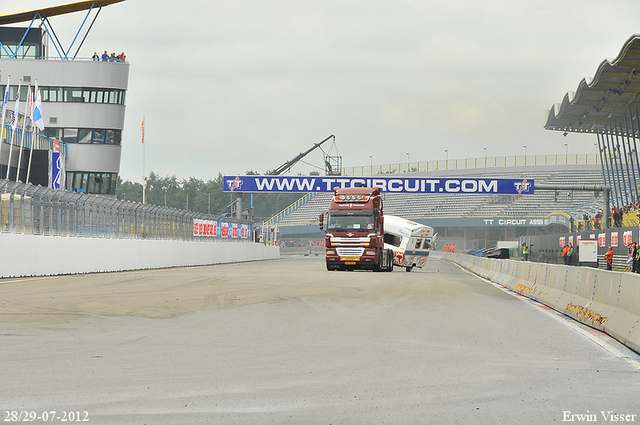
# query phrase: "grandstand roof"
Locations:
[[608, 102], [16, 17]]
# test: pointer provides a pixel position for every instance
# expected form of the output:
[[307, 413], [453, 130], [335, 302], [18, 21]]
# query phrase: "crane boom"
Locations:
[[236, 207], [288, 164]]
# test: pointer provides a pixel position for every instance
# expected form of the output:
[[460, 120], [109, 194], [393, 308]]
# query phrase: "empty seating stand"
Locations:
[[460, 205]]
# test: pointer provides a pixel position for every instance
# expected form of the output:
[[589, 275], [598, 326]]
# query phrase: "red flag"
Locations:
[[142, 128]]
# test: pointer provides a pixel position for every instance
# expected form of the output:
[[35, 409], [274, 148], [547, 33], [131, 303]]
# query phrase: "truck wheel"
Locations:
[[380, 266], [409, 268], [389, 267]]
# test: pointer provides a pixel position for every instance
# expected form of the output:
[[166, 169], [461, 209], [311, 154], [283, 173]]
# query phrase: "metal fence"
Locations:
[[37, 210]]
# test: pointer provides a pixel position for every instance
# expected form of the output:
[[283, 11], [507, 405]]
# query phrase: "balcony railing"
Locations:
[[472, 163]]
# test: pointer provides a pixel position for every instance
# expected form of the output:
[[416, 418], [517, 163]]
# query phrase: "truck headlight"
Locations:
[[369, 253], [330, 252]]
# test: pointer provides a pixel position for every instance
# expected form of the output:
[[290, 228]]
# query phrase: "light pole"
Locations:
[[408, 162], [566, 153], [525, 154], [446, 153], [165, 196], [485, 156]]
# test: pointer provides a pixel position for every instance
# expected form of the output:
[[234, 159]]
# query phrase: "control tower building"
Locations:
[[83, 99]]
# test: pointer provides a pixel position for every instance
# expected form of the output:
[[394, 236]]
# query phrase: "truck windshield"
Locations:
[[351, 222]]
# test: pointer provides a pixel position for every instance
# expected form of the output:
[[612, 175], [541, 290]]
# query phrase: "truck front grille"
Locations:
[[350, 252]]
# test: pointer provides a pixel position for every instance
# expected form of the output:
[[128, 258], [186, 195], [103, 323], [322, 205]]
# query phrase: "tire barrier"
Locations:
[[605, 300]]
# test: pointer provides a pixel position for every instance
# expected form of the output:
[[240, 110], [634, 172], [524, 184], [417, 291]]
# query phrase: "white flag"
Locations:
[[6, 96], [36, 114], [4, 107], [17, 108], [30, 103]]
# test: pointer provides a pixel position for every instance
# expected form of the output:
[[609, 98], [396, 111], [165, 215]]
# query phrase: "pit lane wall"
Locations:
[[34, 255], [605, 300]]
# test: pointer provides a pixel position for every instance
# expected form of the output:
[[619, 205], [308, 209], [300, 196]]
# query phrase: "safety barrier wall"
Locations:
[[32, 255], [605, 300]]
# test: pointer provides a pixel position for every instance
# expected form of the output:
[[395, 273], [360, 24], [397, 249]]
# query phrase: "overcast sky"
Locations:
[[245, 85]]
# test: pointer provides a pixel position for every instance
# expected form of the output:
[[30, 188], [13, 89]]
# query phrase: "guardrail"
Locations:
[[291, 208], [36, 210], [605, 300], [472, 163], [41, 142]]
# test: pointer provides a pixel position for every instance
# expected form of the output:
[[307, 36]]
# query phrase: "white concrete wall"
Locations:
[[27, 255], [605, 300]]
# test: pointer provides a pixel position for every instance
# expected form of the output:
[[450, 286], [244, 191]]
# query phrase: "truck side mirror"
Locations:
[[321, 221]]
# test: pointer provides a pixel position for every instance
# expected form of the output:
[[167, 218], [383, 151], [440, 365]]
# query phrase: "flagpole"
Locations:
[[15, 124], [144, 173], [5, 100], [37, 122], [24, 125], [34, 138]]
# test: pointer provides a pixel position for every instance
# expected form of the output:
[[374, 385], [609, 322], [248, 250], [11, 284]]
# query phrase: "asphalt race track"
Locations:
[[287, 342]]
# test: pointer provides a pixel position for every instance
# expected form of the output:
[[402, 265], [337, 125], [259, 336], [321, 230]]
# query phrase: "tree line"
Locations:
[[201, 196]]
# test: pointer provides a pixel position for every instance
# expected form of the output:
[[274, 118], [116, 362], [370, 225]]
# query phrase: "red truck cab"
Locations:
[[354, 237]]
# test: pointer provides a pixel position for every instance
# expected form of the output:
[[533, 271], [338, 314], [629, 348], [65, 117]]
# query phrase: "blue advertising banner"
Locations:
[[447, 185], [56, 170]]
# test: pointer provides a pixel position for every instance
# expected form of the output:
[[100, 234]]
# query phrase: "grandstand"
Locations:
[[605, 106], [470, 210]]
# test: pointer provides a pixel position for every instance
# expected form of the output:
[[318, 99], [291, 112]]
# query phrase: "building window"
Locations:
[[70, 94], [73, 95], [114, 137], [51, 94], [93, 183], [53, 133], [85, 135], [98, 136], [70, 135], [14, 89]]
